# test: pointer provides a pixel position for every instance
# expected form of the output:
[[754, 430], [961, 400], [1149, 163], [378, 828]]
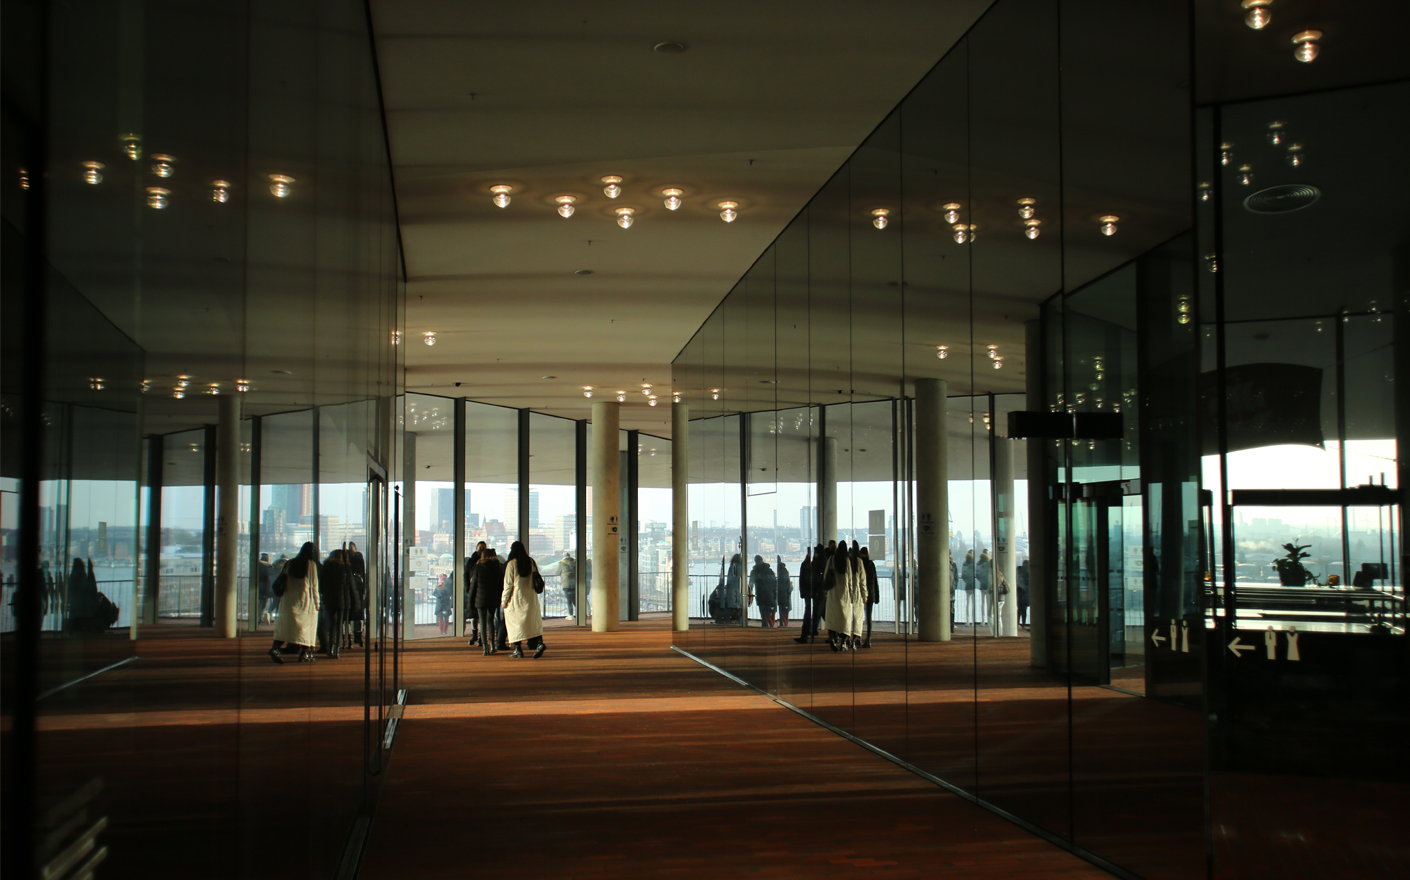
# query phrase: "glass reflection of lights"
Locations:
[[96, 383], [93, 172], [1205, 192], [1108, 224], [1307, 48], [157, 197], [1226, 154], [1245, 175], [242, 385], [132, 146], [396, 337], [1211, 262], [1031, 228], [1276, 132], [964, 233], [1295, 155], [878, 217], [220, 191], [280, 185], [952, 212], [163, 165], [1026, 209], [430, 337], [1257, 16]]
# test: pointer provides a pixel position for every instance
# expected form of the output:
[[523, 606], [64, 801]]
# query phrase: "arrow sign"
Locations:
[[1157, 638], [1235, 647]]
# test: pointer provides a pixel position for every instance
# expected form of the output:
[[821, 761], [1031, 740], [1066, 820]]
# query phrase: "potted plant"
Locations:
[[1291, 571]]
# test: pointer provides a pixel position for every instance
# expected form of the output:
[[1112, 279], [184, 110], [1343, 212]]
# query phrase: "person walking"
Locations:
[[470, 562], [764, 585], [486, 589], [837, 582], [357, 606], [734, 590], [858, 595], [873, 592], [520, 601], [298, 605], [785, 593], [805, 592], [1022, 577], [967, 585]]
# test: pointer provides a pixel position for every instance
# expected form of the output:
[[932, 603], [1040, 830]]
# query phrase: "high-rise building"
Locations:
[[442, 508]]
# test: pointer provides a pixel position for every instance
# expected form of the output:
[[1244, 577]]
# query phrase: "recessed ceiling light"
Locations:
[[669, 48], [673, 197], [565, 205], [625, 218], [582, 271], [279, 185], [93, 172], [1306, 43], [613, 187], [429, 338], [729, 213], [501, 194]]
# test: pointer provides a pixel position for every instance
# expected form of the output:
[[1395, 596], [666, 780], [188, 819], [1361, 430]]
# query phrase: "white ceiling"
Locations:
[[764, 105]]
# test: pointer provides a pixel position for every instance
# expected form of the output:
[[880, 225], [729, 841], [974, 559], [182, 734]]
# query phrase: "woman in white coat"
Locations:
[[522, 617], [837, 580], [298, 606], [858, 596]]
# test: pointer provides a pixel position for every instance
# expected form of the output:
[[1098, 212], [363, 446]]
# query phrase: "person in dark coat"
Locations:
[[821, 555], [265, 579], [357, 607], [785, 593], [734, 590], [486, 588], [873, 591], [1022, 577], [568, 581], [805, 592], [332, 601], [764, 585], [470, 562]]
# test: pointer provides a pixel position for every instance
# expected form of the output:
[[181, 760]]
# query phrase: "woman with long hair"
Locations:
[[858, 595], [522, 617], [837, 581], [298, 606]]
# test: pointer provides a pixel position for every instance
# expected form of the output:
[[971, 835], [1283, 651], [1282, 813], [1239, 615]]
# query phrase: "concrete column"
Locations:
[[680, 517], [408, 534], [932, 512], [1038, 508], [827, 490], [606, 516], [227, 529], [1005, 561]]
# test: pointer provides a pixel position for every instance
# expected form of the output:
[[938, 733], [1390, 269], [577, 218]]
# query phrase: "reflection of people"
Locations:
[[763, 584], [568, 579], [332, 600], [520, 603], [298, 607], [858, 594], [785, 593], [469, 570], [838, 582], [1022, 577], [486, 589], [873, 592], [266, 588], [734, 589], [820, 559], [444, 603], [805, 592], [967, 585], [984, 575]]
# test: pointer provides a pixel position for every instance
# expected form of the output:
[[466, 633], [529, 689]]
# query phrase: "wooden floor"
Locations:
[[613, 756]]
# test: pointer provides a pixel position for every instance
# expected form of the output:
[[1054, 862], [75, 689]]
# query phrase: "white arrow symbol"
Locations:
[[1235, 647], [1157, 638]]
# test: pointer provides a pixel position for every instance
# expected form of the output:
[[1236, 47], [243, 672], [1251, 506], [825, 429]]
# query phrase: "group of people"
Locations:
[[839, 587], [504, 596], [319, 606]]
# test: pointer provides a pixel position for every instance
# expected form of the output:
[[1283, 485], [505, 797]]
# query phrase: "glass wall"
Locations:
[[553, 510], [190, 220]]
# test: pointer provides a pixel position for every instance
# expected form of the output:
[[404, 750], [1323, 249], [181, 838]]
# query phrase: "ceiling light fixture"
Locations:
[[242, 385], [157, 197], [673, 197], [878, 217], [279, 184], [177, 393], [93, 172], [1306, 43], [96, 383], [1226, 154], [1258, 15], [1031, 228], [132, 146], [964, 233], [625, 217], [587, 391], [1025, 208], [728, 212], [1245, 174], [1275, 132], [162, 165], [621, 397], [651, 401], [942, 351], [501, 194], [993, 352], [998, 363], [1295, 157], [669, 48], [565, 205], [1211, 262], [24, 179], [1204, 191], [675, 398], [612, 189], [430, 337], [715, 393], [213, 389], [396, 337], [952, 212], [1108, 223], [220, 192]]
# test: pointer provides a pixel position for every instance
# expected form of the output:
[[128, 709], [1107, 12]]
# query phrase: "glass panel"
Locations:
[[553, 510]]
